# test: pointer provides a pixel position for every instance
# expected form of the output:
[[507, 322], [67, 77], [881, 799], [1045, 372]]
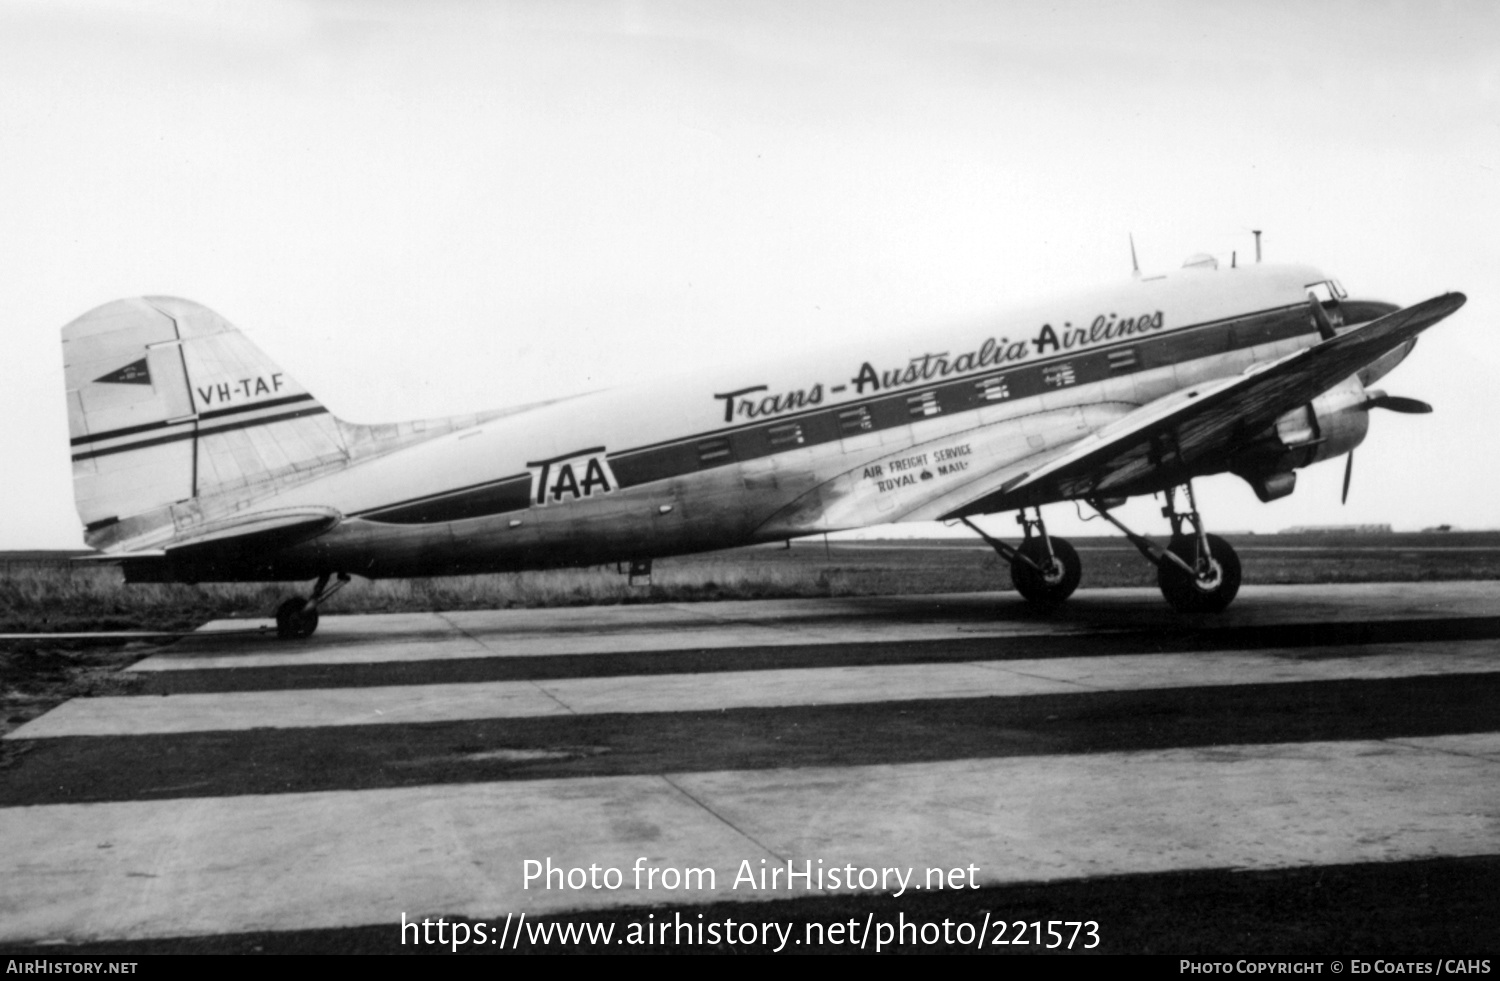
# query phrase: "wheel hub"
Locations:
[[1210, 576]]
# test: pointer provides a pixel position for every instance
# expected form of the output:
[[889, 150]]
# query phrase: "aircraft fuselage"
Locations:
[[893, 430]]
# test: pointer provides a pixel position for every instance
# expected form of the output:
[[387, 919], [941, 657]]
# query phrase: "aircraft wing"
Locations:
[[1194, 425]]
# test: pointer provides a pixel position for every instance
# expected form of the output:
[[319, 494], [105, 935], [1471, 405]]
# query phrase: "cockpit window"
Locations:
[[1327, 293]]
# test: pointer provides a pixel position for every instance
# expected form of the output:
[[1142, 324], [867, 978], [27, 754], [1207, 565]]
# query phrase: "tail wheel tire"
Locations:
[[294, 620], [1212, 588], [1055, 577]]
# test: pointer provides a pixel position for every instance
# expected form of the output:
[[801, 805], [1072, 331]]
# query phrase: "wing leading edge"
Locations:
[[1191, 428]]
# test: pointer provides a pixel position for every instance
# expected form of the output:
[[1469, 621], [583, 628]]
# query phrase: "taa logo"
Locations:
[[570, 477]]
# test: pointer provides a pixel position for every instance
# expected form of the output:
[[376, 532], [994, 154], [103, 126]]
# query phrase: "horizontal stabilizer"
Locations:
[[105, 558], [233, 540], [266, 530]]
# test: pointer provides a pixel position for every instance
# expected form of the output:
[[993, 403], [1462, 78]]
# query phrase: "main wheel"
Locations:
[[1056, 577], [294, 619], [1212, 589]]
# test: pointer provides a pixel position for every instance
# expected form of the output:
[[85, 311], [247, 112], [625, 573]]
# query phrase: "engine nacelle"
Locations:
[[1330, 425]]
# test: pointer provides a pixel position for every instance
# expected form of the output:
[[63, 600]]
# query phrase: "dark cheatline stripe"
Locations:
[[1149, 351], [493, 497], [212, 414], [201, 433], [139, 444], [267, 404], [125, 431], [704, 660], [894, 407], [82, 769], [1419, 908]]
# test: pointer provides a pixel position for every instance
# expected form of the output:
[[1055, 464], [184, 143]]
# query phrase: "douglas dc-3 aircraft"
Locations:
[[197, 459]]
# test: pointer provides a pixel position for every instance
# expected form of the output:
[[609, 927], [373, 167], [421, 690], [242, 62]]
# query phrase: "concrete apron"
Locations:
[[299, 861], [667, 627], [345, 858], [388, 705]]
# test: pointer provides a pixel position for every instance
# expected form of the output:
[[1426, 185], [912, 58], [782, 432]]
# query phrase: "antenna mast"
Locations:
[[1135, 266]]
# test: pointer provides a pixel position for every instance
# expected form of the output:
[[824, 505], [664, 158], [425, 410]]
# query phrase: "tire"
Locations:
[[294, 621], [1191, 594], [1046, 589]]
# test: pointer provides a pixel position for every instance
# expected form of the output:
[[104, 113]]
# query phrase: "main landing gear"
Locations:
[[1197, 572], [1045, 569], [298, 617]]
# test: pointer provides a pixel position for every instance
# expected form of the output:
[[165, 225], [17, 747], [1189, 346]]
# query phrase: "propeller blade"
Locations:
[[1320, 318], [1396, 403], [1348, 472]]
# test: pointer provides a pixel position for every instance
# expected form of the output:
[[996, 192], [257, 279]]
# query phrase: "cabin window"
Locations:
[[787, 434], [993, 389], [713, 451], [856, 420], [925, 404], [1060, 375]]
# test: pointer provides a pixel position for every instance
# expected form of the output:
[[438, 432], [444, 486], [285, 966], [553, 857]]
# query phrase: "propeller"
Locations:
[[1395, 403], [1320, 318], [1376, 399]]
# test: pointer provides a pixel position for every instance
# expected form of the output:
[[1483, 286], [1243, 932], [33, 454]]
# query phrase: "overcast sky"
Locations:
[[427, 208]]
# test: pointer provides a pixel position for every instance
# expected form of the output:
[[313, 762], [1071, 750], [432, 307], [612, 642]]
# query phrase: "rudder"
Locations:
[[168, 402]]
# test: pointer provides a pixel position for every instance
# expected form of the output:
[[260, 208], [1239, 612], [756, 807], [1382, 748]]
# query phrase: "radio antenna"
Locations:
[[1135, 266]]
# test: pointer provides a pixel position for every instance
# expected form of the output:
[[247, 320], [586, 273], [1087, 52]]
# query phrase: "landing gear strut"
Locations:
[[1044, 569], [1197, 572], [298, 617]]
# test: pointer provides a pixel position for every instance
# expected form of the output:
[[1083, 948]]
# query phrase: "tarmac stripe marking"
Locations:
[[92, 769], [303, 861], [124, 715], [448, 668], [833, 622]]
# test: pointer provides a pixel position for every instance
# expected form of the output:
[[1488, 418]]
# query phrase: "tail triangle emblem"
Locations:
[[135, 373]]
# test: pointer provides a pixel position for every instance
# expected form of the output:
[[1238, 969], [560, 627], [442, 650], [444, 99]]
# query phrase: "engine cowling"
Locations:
[[1330, 425]]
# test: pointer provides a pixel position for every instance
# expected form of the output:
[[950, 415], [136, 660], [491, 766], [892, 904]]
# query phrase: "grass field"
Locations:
[[39, 593]]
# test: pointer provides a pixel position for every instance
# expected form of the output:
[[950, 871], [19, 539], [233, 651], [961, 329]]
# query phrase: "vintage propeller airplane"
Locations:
[[197, 459]]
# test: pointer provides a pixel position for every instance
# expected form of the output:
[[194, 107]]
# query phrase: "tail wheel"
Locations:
[[1212, 588], [294, 620], [1055, 577]]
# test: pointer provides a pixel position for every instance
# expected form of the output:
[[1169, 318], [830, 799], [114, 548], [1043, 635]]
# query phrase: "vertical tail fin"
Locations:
[[168, 402]]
